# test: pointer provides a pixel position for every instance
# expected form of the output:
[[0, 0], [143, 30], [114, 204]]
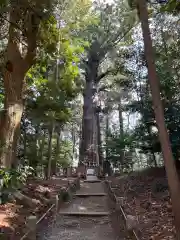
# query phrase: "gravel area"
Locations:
[[88, 204], [78, 228], [95, 187]]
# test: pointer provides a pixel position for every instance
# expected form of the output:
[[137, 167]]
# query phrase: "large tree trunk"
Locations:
[[10, 121], [25, 144], [106, 135], [152, 154], [41, 148], [36, 149], [121, 125], [41, 151], [99, 140], [154, 159], [87, 150], [95, 146], [121, 128], [87, 126], [16, 142], [80, 153], [58, 138], [8, 130], [173, 180], [73, 134], [16, 67], [23, 139], [49, 167]]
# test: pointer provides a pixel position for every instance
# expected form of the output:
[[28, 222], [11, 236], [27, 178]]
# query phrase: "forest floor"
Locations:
[[146, 196], [41, 196], [145, 193]]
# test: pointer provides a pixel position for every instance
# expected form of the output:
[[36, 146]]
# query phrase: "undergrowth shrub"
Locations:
[[11, 180]]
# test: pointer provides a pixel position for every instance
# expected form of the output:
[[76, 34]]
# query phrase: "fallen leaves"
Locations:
[[146, 196], [13, 215]]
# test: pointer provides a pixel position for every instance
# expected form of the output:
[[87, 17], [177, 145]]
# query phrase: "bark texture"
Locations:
[[16, 67], [87, 148], [99, 140], [49, 168], [121, 126]]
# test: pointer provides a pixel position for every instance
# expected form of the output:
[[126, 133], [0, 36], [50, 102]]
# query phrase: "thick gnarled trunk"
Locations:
[[49, 167], [95, 142], [57, 150], [99, 140], [9, 131], [73, 134], [106, 135], [121, 125], [121, 129], [10, 121], [87, 125], [88, 151], [16, 67], [16, 141]]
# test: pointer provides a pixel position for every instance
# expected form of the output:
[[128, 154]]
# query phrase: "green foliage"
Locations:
[[65, 154], [172, 6], [120, 150], [166, 56], [13, 179], [53, 83]]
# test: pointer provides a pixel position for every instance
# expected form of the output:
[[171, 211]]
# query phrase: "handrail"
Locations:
[[40, 219], [44, 215], [121, 208]]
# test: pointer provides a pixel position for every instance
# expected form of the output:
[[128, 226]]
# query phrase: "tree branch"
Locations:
[[112, 42], [32, 32], [104, 88], [102, 75]]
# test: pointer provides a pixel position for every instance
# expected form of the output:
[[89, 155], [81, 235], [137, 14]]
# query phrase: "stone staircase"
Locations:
[[90, 200], [85, 218]]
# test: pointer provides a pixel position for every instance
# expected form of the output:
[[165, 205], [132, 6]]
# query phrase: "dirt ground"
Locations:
[[146, 196], [13, 214], [78, 228]]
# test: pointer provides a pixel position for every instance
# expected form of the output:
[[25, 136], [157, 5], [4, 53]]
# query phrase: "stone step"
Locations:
[[92, 181], [84, 214], [86, 194]]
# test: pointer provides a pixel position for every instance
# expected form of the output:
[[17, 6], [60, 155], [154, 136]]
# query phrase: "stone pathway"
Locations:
[[81, 227], [91, 188]]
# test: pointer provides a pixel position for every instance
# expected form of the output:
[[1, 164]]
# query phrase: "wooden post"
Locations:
[[1, 187], [31, 226], [57, 202], [69, 172], [78, 183]]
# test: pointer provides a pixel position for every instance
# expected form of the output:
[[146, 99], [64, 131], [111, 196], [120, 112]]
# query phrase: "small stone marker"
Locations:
[[131, 222], [119, 202], [31, 225]]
